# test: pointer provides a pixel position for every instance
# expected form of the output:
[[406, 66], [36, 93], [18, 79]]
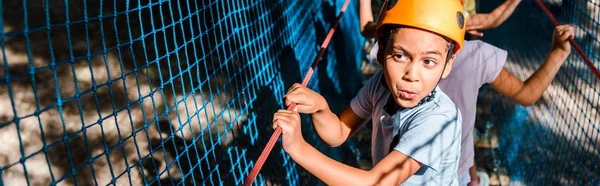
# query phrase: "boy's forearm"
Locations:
[[328, 170], [328, 127]]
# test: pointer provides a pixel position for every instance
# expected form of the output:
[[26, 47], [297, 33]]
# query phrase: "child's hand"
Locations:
[[291, 134], [560, 38], [477, 22], [308, 101]]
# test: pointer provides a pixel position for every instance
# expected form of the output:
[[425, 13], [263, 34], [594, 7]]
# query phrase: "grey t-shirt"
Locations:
[[429, 133], [478, 63]]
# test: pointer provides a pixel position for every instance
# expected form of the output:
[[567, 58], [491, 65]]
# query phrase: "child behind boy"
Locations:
[[417, 128]]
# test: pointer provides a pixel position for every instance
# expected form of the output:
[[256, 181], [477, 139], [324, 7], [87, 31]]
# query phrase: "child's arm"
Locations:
[[491, 20], [394, 169], [528, 92], [367, 25], [332, 129]]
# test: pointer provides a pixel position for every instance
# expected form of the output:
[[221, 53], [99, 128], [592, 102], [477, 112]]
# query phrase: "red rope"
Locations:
[[265, 153], [587, 61]]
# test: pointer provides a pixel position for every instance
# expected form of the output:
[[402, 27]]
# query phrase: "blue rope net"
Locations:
[[555, 141], [162, 92]]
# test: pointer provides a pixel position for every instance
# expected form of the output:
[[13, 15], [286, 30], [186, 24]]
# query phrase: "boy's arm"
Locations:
[[334, 130], [429, 137], [528, 92], [394, 169], [367, 25]]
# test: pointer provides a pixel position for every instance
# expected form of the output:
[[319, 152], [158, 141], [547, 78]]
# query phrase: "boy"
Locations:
[[480, 63], [417, 129]]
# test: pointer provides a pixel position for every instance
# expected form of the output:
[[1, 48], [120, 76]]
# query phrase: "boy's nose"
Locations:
[[411, 75]]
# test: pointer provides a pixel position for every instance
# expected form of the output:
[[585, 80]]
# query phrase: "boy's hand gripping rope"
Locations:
[[587, 61], [265, 153]]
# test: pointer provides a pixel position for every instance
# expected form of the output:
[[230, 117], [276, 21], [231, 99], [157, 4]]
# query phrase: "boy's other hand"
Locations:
[[560, 38], [308, 101], [291, 133]]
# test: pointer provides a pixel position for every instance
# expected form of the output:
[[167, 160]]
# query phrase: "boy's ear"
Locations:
[[448, 67]]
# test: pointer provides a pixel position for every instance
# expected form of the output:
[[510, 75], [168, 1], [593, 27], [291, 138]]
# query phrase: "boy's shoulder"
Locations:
[[439, 109], [442, 102], [445, 105]]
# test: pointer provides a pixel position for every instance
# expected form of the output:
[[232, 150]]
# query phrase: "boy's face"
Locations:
[[414, 63]]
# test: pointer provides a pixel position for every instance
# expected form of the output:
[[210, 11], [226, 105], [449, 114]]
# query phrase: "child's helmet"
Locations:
[[444, 17]]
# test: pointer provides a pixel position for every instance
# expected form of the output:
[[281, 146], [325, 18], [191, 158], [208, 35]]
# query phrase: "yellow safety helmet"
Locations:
[[443, 17]]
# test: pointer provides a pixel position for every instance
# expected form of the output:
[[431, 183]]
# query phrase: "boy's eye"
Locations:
[[399, 57], [430, 63]]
